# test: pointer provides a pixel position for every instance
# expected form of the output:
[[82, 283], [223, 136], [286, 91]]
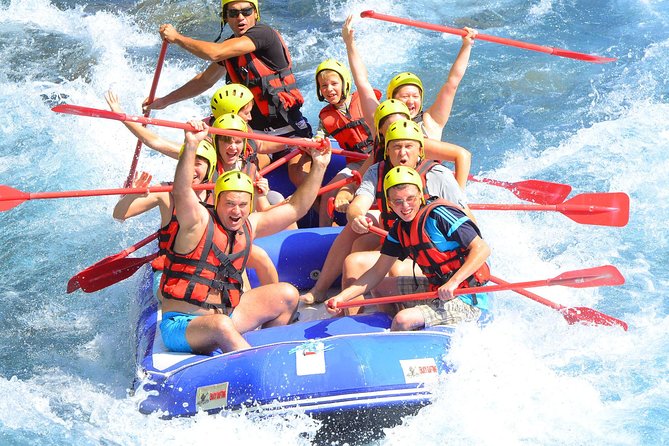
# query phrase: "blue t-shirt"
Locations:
[[449, 229]]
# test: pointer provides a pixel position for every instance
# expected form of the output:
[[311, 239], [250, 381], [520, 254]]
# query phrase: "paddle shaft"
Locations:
[[297, 142], [152, 95], [529, 294], [564, 207], [101, 192], [279, 162], [133, 248], [355, 178], [500, 40], [606, 275]]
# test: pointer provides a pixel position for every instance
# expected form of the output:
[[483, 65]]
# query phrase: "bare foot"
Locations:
[[313, 296]]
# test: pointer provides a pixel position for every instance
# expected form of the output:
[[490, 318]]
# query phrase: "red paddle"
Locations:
[[106, 114], [152, 95], [535, 191], [10, 197], [96, 278], [501, 40], [279, 162], [602, 209], [103, 267], [572, 315], [607, 275], [332, 186]]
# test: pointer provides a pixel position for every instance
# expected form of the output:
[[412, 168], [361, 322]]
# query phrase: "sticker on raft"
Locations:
[[212, 397], [310, 358], [422, 370]]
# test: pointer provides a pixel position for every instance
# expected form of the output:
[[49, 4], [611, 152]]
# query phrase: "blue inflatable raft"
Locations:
[[327, 368]]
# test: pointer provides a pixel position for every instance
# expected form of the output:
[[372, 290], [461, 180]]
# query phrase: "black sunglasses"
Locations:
[[234, 13]]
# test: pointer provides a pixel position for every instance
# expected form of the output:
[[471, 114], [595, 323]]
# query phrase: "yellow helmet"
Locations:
[[233, 180], [405, 78], [230, 99], [390, 107], [405, 129], [341, 70], [205, 149], [224, 3], [230, 121], [402, 175]]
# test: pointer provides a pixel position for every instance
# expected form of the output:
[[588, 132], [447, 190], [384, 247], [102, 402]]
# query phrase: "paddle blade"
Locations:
[[78, 110], [607, 275], [581, 56], [10, 197], [103, 275], [603, 209], [541, 192], [535, 191], [587, 315]]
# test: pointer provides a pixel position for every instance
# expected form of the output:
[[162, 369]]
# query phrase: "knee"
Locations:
[[289, 294], [401, 322], [359, 259], [224, 326], [354, 263]]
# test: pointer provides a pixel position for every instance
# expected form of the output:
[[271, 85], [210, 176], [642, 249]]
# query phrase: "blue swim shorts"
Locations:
[[173, 330]]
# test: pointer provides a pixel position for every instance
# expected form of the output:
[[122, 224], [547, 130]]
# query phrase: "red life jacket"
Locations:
[[437, 266], [166, 236], [274, 92], [378, 149], [190, 277], [350, 129], [388, 217]]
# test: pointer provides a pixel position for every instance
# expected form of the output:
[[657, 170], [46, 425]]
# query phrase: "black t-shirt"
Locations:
[[268, 45]]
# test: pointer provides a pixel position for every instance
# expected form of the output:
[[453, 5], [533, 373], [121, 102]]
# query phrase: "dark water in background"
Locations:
[[66, 361]]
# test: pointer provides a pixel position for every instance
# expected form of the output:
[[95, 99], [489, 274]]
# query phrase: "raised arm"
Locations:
[[192, 216], [277, 218], [445, 151], [368, 100], [436, 117], [134, 204], [148, 138]]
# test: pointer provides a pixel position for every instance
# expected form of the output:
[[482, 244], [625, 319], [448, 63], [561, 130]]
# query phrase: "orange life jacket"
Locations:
[[350, 129], [438, 266], [274, 92], [190, 277], [166, 236], [388, 217]]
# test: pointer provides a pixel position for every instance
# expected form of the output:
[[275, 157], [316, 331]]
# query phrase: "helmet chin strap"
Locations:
[[220, 34]]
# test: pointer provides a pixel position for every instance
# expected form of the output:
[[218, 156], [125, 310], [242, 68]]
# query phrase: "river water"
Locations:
[[67, 361]]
